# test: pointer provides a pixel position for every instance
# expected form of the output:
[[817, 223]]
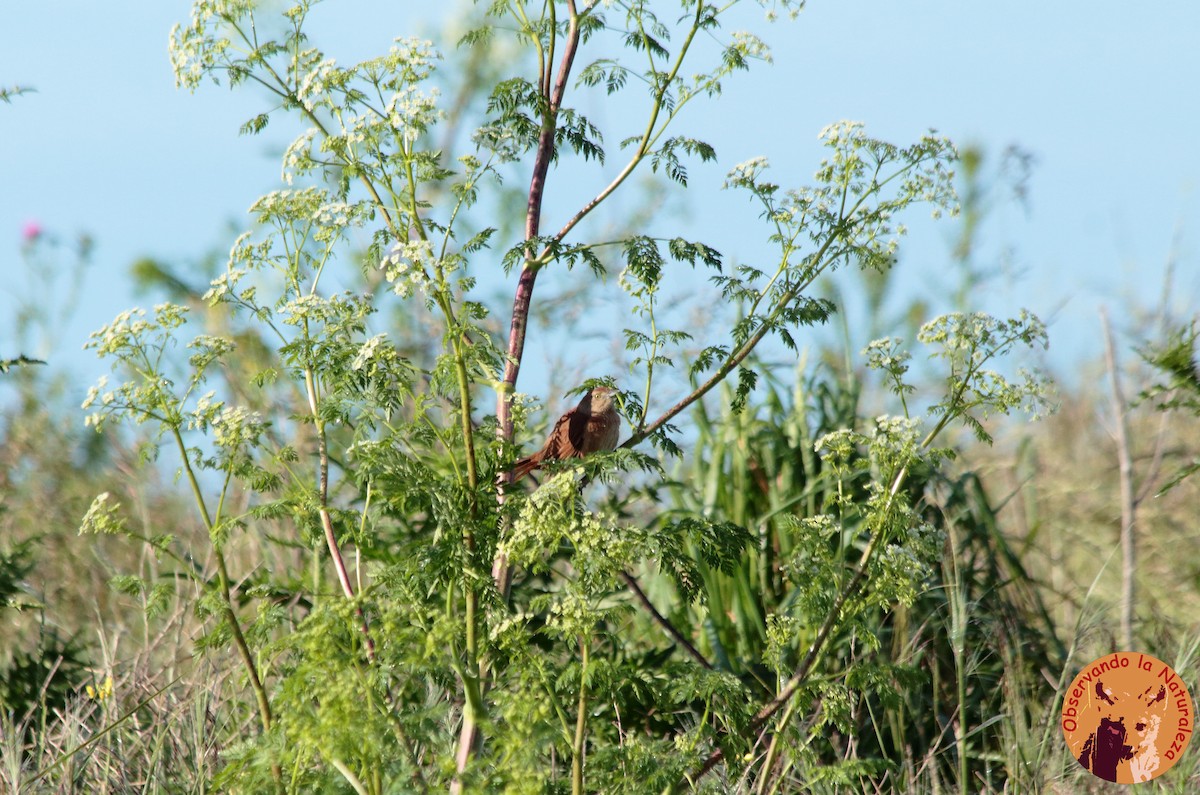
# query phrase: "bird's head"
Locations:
[[599, 399]]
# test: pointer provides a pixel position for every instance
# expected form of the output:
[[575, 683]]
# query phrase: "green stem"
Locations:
[[765, 784], [821, 260], [235, 627], [654, 343], [474, 709], [958, 620], [577, 746], [649, 135]]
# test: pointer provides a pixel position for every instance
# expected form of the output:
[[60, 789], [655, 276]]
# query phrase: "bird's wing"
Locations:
[[576, 432], [557, 444]]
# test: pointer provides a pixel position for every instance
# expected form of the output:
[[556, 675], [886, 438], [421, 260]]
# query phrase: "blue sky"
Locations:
[[1102, 94]]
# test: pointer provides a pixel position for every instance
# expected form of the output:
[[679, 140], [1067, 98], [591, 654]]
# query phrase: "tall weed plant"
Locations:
[[378, 609]]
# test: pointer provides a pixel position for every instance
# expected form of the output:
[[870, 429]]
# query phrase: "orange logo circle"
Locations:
[[1127, 717]]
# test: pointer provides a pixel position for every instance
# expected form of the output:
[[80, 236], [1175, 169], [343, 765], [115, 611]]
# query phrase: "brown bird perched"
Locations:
[[591, 426]]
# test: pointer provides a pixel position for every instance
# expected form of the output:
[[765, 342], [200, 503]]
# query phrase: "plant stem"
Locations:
[[235, 627], [765, 778], [649, 136], [501, 574], [335, 552], [821, 260], [956, 601], [823, 634], [543, 156], [469, 737], [1128, 498], [663, 621], [580, 722]]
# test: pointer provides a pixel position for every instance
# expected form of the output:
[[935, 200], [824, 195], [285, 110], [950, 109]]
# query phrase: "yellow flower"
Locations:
[[104, 691]]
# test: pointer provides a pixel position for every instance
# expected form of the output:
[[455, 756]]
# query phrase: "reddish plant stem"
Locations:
[[523, 299], [470, 736], [533, 221]]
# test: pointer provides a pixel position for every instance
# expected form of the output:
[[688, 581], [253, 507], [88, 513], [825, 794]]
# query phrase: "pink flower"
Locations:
[[30, 232]]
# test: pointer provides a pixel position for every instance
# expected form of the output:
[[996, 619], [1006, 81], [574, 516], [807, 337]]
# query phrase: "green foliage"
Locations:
[[1175, 358], [973, 392], [14, 565], [8, 92], [42, 679], [885, 681], [21, 361], [42, 676]]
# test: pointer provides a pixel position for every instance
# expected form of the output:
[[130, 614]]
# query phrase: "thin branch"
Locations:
[[758, 724], [470, 735], [764, 714], [821, 260], [235, 627], [529, 271], [663, 621], [648, 136], [1125, 472]]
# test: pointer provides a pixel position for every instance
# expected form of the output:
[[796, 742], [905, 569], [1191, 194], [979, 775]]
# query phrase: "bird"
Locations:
[[590, 427]]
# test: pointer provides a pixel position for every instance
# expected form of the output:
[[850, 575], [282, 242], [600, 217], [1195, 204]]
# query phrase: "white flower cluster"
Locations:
[[412, 111], [237, 427], [316, 82], [288, 205], [207, 409], [793, 8], [407, 266], [303, 307], [356, 128], [746, 174], [337, 214], [837, 446], [198, 47], [752, 46], [129, 323], [841, 132], [333, 218], [803, 203], [297, 159], [896, 433], [887, 355], [413, 57], [130, 326], [94, 394], [367, 351], [212, 346], [187, 62]]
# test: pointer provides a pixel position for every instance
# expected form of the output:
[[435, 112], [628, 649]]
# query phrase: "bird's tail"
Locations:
[[524, 467]]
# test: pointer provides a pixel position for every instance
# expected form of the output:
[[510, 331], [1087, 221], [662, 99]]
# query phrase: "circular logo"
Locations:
[[1127, 717]]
